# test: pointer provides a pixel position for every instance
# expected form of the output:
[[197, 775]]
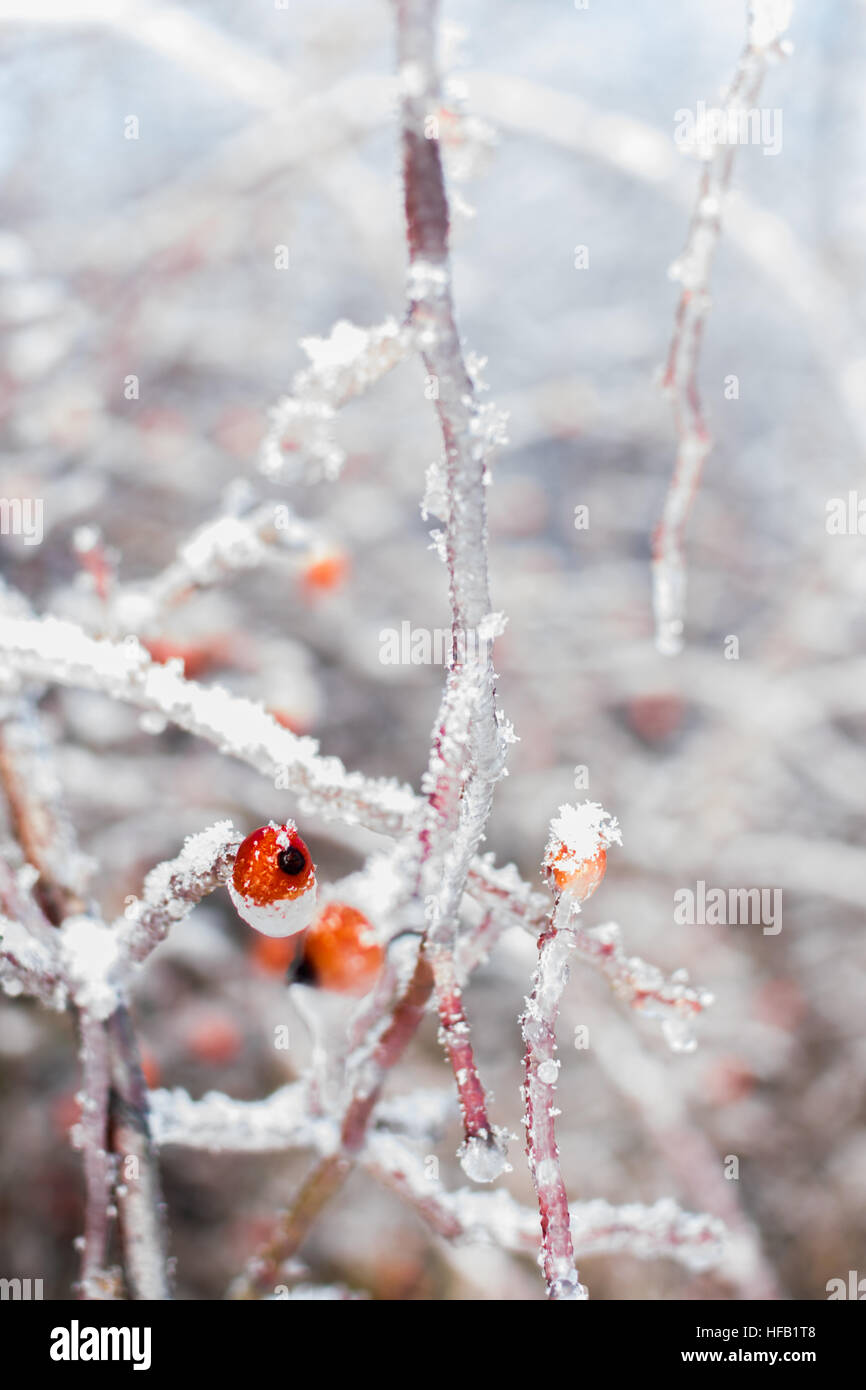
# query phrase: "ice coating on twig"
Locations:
[[280, 1122], [468, 746], [53, 649], [28, 967], [540, 1074], [172, 889], [767, 22], [299, 442]]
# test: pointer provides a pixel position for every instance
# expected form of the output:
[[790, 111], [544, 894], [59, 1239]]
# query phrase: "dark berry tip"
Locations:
[[292, 860]]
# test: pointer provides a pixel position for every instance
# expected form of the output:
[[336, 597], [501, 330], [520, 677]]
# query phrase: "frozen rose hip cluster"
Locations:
[[273, 886]]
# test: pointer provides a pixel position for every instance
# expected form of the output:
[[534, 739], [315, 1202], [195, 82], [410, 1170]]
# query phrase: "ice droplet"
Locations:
[[483, 1158], [548, 1072], [569, 1288]]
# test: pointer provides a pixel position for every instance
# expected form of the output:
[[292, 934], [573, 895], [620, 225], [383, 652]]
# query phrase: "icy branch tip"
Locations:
[[768, 22], [576, 856]]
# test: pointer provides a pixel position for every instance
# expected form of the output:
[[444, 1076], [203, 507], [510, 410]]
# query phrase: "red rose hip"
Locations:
[[273, 885]]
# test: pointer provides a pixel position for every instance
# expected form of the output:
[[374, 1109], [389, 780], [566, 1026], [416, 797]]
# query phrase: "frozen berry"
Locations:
[[274, 954], [273, 885], [341, 952], [580, 878], [325, 570], [576, 856]]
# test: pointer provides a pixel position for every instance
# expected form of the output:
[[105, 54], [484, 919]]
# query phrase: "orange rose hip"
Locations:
[[341, 952], [273, 885]]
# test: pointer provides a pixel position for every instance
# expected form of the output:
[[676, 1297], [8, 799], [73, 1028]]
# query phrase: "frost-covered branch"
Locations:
[[281, 1122], [221, 1124], [467, 756], [172, 889], [662, 1230], [28, 967], [137, 1191], [541, 1072], [767, 22], [53, 650], [86, 974], [575, 861], [299, 443], [456, 814], [45, 835], [228, 545], [50, 649]]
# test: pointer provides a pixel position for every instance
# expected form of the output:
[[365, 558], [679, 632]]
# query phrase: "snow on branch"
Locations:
[[468, 1215], [220, 1124], [767, 22], [468, 749], [172, 889], [28, 967], [575, 861], [282, 1122], [227, 545], [49, 649], [299, 443]]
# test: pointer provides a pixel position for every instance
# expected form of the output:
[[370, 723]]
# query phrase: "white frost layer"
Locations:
[[284, 917], [27, 967], [583, 830], [218, 1123], [90, 955]]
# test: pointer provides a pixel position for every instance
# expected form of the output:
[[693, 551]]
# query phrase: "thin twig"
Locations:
[[693, 268], [139, 1199], [467, 757], [93, 1128], [539, 1088]]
